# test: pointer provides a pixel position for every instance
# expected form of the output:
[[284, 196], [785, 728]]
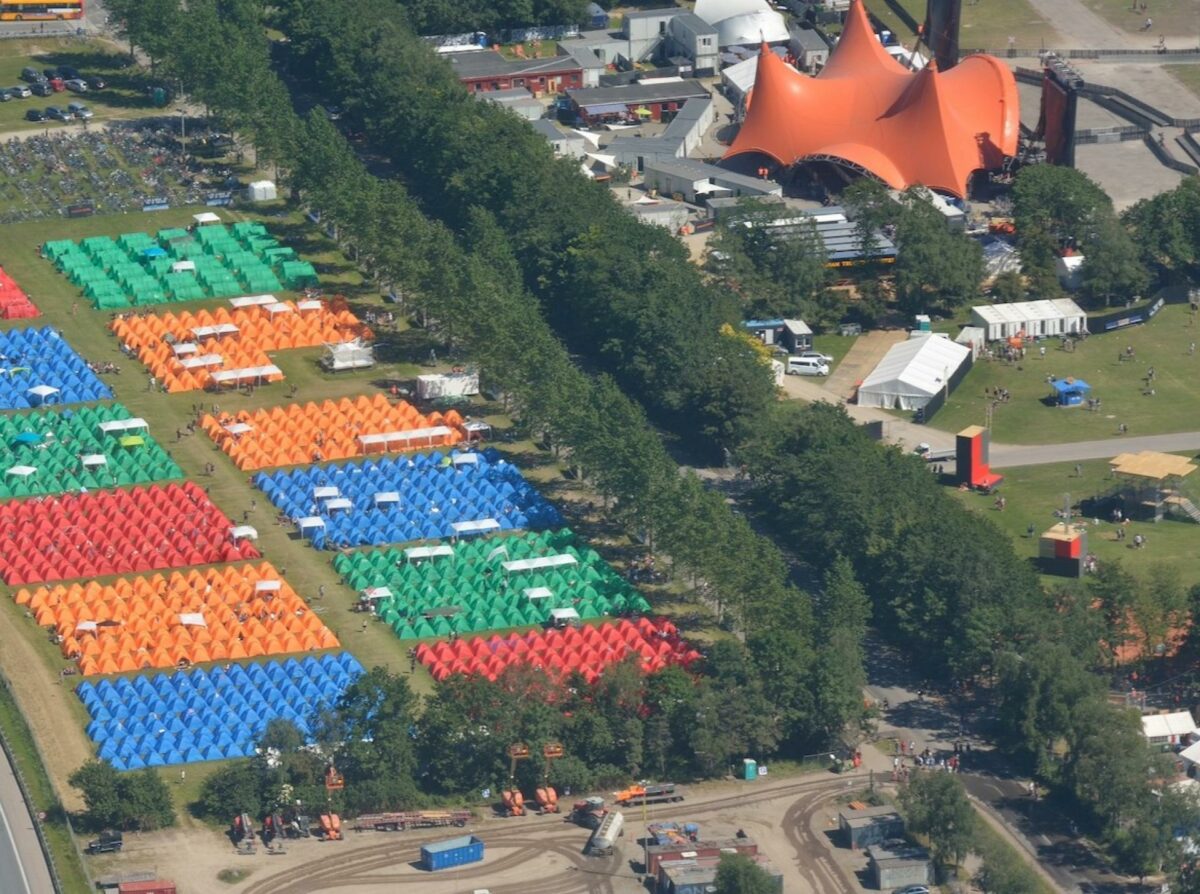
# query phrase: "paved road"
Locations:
[[1007, 456], [22, 867]]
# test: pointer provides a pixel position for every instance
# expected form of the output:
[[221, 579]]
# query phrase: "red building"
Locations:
[[486, 70]]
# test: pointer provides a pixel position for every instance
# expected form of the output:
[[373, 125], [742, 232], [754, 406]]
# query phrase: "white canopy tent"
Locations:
[[95, 459], [215, 331], [1168, 729], [253, 300], [386, 497], [22, 471], [192, 619], [116, 426], [540, 562], [1032, 319], [743, 22], [477, 526], [223, 376], [538, 592], [427, 552], [206, 217], [382, 439], [246, 532], [911, 373], [267, 586], [201, 360]]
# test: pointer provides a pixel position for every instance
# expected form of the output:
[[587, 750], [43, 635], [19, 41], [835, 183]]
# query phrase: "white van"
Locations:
[[807, 366]]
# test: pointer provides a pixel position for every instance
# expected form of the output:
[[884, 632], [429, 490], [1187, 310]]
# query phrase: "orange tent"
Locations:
[[863, 109]]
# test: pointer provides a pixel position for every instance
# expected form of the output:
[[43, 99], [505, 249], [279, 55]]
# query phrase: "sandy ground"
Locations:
[[531, 855]]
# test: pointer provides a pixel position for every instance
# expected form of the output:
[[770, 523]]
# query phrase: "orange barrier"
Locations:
[[214, 614], [184, 361], [303, 433]]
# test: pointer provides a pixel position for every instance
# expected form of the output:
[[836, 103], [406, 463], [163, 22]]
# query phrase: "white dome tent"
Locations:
[[743, 22]]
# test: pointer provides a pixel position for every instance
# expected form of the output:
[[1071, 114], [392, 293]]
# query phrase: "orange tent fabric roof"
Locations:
[[907, 128]]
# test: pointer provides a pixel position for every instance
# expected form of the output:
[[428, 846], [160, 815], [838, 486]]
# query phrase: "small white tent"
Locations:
[[912, 372]]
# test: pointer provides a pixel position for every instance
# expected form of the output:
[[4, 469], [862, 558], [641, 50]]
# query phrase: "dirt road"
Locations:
[[530, 855]]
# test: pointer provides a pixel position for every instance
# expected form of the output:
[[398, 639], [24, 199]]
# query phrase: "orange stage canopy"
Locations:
[[907, 128]]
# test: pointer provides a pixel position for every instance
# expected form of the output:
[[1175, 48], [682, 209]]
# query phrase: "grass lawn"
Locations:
[[1035, 492], [1188, 75], [1176, 18], [1163, 343], [124, 97], [836, 346], [985, 25]]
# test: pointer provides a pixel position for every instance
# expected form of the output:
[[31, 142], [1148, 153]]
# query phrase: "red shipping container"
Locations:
[[157, 886]]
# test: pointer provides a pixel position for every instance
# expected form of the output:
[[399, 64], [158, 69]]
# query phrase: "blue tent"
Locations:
[[1070, 392]]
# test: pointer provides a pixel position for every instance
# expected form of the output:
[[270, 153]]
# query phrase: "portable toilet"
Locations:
[[923, 323], [749, 769]]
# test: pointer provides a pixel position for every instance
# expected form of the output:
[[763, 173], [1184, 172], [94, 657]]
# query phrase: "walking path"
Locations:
[[863, 356], [23, 869], [1007, 456], [1080, 27]]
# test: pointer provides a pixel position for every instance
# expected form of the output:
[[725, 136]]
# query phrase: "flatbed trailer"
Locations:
[[660, 793], [414, 819]]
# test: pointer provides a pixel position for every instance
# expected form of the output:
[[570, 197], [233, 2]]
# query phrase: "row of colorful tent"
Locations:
[[426, 496], [187, 352], [175, 265], [343, 429], [586, 650], [214, 614], [199, 715], [114, 532], [57, 451], [14, 303], [38, 367], [481, 585]]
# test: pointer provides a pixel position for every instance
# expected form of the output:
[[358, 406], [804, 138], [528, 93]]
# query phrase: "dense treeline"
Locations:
[[458, 16], [943, 581], [620, 294]]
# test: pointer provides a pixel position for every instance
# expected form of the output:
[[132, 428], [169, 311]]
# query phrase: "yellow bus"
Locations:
[[34, 10]]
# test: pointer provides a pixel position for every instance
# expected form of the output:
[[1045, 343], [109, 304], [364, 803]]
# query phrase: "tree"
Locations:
[[935, 266], [1112, 272], [1166, 227], [738, 874], [147, 24], [139, 800], [936, 807], [870, 205], [376, 716], [839, 673], [99, 783], [1008, 287], [233, 789]]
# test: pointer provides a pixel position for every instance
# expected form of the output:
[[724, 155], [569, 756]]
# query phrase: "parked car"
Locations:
[[76, 85], [50, 73], [816, 355], [18, 92], [58, 85], [79, 110], [31, 75], [96, 83], [5, 96], [35, 115], [807, 366], [67, 71], [912, 889], [41, 88], [110, 841], [56, 113]]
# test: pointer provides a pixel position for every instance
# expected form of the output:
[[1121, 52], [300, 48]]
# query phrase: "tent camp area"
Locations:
[[913, 373]]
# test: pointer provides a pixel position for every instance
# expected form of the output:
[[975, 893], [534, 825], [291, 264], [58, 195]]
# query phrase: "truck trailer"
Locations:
[[648, 793], [414, 819], [604, 838]]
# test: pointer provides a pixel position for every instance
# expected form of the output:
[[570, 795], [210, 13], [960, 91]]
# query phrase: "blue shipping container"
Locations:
[[454, 852]]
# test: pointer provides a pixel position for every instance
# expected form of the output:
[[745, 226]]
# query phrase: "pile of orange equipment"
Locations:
[[157, 338], [214, 614], [284, 436]]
